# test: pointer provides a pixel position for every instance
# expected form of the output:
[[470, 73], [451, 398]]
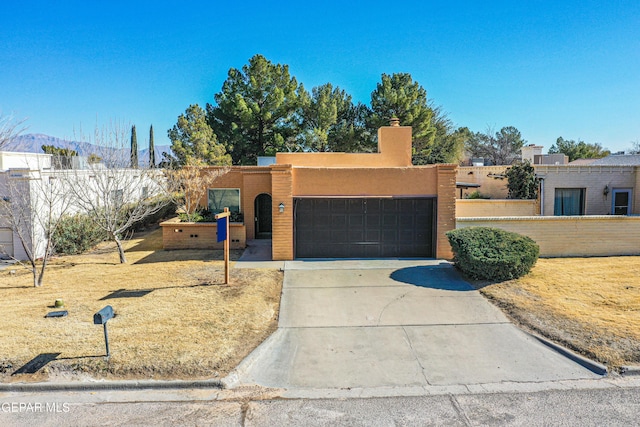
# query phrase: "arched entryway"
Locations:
[[262, 206]]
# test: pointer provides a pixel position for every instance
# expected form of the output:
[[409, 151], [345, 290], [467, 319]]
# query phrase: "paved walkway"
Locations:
[[394, 323]]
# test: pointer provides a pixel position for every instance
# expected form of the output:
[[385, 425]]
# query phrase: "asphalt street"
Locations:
[[597, 403]]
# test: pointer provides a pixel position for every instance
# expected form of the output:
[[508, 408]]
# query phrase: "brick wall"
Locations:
[[446, 209], [565, 236], [495, 207], [185, 235], [282, 223]]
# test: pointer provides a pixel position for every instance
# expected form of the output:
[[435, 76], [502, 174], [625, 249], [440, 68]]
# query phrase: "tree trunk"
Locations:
[[123, 259], [34, 271], [41, 275]]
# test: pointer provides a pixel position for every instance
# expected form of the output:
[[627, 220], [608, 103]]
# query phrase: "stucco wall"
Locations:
[[252, 181], [407, 181], [495, 188], [394, 150], [495, 207], [565, 236], [593, 179]]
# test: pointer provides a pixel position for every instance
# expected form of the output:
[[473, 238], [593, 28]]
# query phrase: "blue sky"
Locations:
[[549, 68]]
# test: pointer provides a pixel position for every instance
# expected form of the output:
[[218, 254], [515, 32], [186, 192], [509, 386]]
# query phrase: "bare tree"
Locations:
[[189, 185], [9, 129], [33, 204], [114, 195]]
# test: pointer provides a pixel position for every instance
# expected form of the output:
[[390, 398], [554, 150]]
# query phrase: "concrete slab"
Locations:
[[382, 306], [360, 264], [476, 354], [257, 254], [337, 358]]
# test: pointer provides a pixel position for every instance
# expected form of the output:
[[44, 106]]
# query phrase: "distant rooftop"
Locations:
[[618, 160], [582, 162]]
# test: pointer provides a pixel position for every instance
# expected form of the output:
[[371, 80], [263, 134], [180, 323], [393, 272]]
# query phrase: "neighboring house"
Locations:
[[608, 186], [589, 190], [345, 205], [34, 188]]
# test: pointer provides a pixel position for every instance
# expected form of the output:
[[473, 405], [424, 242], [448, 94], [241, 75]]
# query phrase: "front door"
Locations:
[[262, 207], [621, 202]]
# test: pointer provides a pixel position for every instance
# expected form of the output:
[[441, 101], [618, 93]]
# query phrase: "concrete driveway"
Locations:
[[394, 323]]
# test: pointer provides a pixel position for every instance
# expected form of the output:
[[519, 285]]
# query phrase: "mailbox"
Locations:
[[101, 317]]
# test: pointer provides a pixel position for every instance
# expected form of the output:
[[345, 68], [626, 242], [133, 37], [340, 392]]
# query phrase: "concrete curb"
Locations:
[[109, 385], [594, 367], [626, 371]]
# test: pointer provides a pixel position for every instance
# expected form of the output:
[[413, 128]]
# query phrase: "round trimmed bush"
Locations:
[[492, 253]]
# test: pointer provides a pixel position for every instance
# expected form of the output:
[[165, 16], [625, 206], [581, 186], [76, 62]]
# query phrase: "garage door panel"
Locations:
[[364, 227], [372, 235]]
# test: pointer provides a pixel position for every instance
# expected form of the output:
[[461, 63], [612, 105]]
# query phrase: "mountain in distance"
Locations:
[[32, 143]]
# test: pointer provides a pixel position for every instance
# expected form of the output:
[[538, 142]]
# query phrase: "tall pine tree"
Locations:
[[134, 148], [152, 149]]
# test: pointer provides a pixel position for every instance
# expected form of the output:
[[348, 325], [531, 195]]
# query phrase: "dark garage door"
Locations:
[[364, 228]]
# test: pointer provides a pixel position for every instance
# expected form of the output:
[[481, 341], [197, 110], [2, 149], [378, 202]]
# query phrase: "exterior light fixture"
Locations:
[[281, 207], [605, 192]]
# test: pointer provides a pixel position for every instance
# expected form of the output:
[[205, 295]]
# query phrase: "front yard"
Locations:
[[174, 316], [590, 305]]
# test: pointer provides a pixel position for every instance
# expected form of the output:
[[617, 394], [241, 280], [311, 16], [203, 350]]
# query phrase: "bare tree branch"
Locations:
[[9, 129], [114, 195]]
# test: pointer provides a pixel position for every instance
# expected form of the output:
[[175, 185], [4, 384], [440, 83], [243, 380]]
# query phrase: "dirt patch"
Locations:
[[590, 305], [174, 316]]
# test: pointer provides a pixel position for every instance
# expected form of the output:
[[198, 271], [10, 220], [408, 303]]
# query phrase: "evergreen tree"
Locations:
[[434, 139], [331, 122], [134, 148], [255, 112], [152, 150], [193, 140], [522, 182]]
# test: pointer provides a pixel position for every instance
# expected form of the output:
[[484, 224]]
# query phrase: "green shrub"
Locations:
[[205, 215], [477, 195], [76, 234], [491, 253]]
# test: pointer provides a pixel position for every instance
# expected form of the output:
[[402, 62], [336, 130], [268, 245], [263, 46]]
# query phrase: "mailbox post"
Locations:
[[222, 221], [101, 318]]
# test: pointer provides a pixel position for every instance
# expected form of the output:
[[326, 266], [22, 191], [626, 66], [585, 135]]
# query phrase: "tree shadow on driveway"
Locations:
[[443, 277]]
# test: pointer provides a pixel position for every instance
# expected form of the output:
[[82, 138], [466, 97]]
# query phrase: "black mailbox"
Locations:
[[101, 317]]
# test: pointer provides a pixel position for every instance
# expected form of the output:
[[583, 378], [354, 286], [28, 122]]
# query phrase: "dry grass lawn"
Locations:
[[174, 317], [591, 305]]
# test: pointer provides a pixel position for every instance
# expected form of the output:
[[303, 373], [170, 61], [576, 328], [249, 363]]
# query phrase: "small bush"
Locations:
[[491, 253], [76, 234], [205, 215], [477, 195]]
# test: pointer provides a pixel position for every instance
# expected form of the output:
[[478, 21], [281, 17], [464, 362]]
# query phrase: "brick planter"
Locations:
[[199, 235]]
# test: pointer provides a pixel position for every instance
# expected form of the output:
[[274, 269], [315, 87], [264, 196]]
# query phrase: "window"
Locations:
[[220, 198], [569, 201], [621, 200], [117, 197]]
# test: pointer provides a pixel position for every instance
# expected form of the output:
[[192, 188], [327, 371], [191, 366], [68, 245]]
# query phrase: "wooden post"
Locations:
[[226, 251], [225, 214]]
